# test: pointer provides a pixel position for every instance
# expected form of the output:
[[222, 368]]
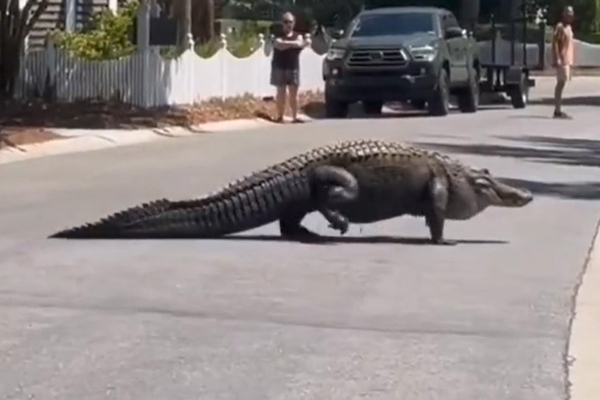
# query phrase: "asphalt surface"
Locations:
[[376, 316]]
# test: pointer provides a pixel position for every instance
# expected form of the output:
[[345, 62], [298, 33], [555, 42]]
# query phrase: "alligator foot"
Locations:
[[291, 229], [336, 220], [302, 234], [444, 242]]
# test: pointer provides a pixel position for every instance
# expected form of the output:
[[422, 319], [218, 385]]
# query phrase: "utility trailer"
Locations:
[[506, 65]]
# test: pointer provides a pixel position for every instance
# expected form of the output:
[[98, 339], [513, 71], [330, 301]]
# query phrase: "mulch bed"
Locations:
[[18, 136], [32, 122]]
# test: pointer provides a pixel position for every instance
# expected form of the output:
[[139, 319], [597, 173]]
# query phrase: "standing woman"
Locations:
[[562, 52], [285, 66]]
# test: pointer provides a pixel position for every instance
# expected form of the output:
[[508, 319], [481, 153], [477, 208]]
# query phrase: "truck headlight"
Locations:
[[423, 53], [335, 54]]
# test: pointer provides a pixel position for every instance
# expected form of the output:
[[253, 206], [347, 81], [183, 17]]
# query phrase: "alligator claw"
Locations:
[[445, 242], [342, 227]]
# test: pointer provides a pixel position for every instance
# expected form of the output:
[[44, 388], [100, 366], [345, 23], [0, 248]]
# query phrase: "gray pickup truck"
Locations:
[[417, 55]]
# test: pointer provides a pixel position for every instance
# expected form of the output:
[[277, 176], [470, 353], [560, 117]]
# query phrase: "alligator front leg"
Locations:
[[330, 187], [435, 211]]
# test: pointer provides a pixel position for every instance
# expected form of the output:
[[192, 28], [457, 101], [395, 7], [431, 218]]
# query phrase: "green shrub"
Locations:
[[589, 37], [209, 48], [107, 37], [241, 43]]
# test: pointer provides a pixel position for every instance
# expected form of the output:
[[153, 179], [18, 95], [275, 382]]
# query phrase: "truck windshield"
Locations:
[[392, 24]]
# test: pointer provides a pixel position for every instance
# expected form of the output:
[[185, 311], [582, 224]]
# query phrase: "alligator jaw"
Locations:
[[511, 196]]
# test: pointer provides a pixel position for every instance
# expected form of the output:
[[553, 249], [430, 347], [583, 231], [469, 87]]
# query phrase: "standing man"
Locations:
[[562, 52], [285, 66]]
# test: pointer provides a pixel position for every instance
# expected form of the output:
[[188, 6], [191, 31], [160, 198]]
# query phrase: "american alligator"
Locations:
[[361, 181]]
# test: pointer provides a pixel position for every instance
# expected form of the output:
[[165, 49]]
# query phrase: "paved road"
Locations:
[[368, 318]]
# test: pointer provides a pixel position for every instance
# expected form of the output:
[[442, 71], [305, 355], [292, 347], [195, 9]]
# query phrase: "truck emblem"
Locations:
[[377, 55]]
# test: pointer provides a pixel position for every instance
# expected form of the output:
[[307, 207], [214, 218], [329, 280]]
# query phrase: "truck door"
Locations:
[[458, 49]]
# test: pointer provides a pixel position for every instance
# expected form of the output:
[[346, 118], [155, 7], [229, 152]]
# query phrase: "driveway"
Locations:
[[373, 316]]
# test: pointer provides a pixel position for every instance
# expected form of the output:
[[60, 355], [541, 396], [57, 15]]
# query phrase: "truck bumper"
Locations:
[[400, 87]]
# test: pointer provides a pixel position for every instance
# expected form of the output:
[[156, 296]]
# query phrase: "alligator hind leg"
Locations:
[[333, 186]]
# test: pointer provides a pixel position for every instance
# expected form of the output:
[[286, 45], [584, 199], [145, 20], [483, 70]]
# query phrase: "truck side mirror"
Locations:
[[454, 32]]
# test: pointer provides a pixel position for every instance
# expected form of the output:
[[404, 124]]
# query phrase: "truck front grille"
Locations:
[[377, 58]]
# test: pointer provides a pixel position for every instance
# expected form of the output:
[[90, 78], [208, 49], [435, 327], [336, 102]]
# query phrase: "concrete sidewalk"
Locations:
[[81, 140]]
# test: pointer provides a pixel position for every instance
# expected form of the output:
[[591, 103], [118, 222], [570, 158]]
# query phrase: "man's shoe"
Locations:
[[561, 115]]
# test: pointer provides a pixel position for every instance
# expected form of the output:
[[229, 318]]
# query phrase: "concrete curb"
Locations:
[[82, 140], [584, 342]]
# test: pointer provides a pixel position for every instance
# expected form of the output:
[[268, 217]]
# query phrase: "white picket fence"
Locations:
[[146, 79]]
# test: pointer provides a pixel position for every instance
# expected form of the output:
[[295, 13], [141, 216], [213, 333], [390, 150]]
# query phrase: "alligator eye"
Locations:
[[485, 171]]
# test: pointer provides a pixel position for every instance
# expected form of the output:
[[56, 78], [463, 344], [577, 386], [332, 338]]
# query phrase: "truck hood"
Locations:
[[392, 41]]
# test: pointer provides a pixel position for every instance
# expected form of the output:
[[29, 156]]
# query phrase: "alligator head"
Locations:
[[472, 190]]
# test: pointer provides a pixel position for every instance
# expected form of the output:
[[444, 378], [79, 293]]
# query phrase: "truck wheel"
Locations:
[[519, 94], [439, 105], [335, 108], [468, 98], [418, 104], [372, 107]]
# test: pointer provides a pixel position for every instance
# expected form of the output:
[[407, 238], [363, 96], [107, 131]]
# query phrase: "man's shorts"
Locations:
[[563, 73], [285, 77]]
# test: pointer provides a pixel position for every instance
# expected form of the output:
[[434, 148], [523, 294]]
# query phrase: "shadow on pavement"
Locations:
[[574, 191], [358, 240], [562, 151], [320, 240], [568, 101], [316, 110], [530, 117]]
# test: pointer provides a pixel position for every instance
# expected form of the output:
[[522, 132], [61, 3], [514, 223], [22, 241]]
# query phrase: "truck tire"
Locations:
[[468, 98], [335, 108], [418, 104], [519, 94], [439, 105], [372, 107]]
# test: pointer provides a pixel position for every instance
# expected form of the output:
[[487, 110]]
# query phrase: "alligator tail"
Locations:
[[244, 205]]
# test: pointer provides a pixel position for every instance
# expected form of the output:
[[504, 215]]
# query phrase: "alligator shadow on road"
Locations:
[[319, 240], [357, 240], [543, 149]]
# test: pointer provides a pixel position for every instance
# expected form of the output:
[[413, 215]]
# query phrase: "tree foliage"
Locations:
[[108, 35], [15, 25]]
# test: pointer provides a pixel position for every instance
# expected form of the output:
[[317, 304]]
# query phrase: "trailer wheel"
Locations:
[[468, 98], [519, 94]]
